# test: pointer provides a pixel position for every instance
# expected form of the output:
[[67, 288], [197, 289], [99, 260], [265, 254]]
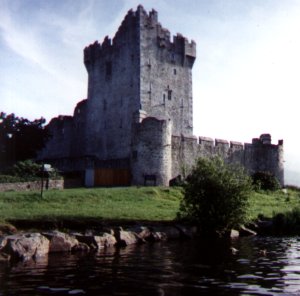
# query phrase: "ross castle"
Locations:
[[136, 125]]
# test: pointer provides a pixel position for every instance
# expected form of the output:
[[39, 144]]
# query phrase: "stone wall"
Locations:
[[28, 186], [258, 156]]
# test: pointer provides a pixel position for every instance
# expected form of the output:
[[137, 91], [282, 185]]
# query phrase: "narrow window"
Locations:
[[169, 94], [173, 57], [175, 71], [164, 98]]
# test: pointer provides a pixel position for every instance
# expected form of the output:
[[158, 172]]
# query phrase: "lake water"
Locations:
[[169, 268]]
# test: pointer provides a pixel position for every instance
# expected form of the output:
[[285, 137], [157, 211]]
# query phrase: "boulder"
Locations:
[[187, 231], [81, 247], [4, 257], [244, 231], [158, 236], [234, 233], [7, 229], [95, 242], [158, 233], [26, 246], [162, 233], [105, 240], [169, 232], [126, 238], [61, 242], [145, 234], [89, 240]]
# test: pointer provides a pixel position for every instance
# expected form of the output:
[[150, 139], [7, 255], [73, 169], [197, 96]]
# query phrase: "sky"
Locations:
[[245, 78]]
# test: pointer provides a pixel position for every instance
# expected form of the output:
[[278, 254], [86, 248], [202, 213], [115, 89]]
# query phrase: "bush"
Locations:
[[24, 171], [265, 181], [9, 179], [287, 223], [216, 196]]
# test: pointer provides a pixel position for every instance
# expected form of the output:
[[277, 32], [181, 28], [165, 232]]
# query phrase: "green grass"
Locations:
[[268, 204], [130, 203]]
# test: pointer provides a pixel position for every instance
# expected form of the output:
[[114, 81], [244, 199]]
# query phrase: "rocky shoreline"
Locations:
[[24, 245], [32, 245]]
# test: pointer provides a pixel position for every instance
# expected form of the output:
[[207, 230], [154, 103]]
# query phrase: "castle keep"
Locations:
[[136, 125]]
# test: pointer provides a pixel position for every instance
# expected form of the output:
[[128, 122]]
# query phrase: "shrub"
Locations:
[[26, 171], [216, 196], [9, 179], [265, 181], [287, 223]]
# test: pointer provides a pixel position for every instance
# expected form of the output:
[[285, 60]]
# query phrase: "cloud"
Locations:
[[45, 63]]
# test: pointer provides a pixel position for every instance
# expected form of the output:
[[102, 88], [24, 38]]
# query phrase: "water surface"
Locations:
[[261, 266]]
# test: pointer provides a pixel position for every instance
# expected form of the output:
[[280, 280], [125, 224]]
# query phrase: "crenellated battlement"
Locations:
[[263, 141], [260, 155], [131, 27]]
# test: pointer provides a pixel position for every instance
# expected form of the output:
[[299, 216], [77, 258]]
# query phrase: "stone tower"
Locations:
[[141, 72]]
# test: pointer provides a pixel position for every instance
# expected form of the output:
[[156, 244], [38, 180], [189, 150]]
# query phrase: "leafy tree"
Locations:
[[20, 138], [216, 196], [266, 181]]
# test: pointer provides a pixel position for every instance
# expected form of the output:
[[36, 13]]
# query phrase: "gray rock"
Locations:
[[105, 240], [4, 257], [81, 247], [97, 241], [158, 236], [61, 242], [169, 232], [26, 246], [234, 234], [244, 231], [126, 238], [89, 240]]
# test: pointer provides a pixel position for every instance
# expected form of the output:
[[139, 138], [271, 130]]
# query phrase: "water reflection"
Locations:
[[262, 266]]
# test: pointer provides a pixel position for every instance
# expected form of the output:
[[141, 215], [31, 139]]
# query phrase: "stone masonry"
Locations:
[[138, 115]]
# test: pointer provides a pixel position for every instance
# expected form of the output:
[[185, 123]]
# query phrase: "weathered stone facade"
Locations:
[[139, 112]]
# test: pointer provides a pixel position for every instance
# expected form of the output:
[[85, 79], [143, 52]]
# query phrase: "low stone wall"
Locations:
[[34, 185]]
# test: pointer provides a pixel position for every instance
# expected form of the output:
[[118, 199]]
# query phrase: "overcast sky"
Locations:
[[245, 78]]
